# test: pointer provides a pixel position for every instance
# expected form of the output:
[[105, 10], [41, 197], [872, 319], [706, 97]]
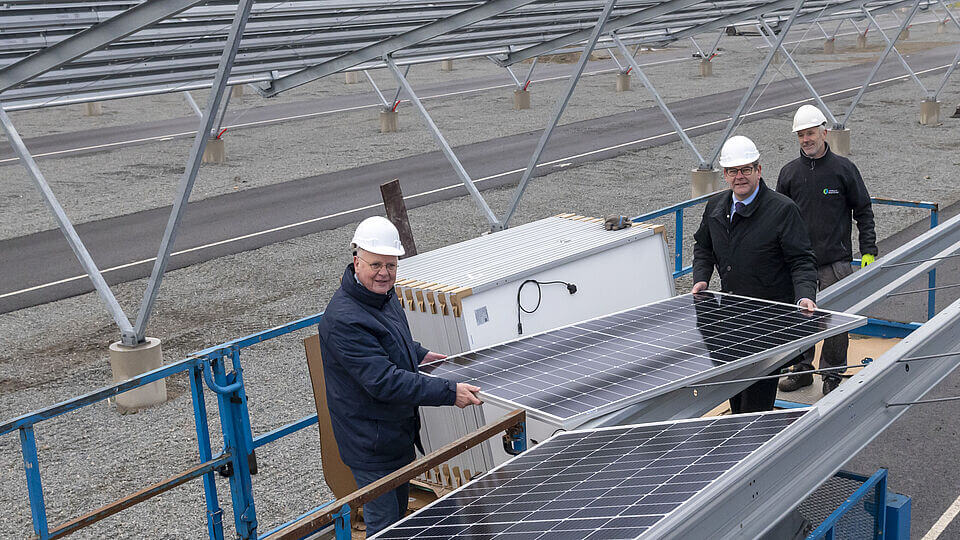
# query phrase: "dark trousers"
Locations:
[[759, 396], [386, 509], [834, 350]]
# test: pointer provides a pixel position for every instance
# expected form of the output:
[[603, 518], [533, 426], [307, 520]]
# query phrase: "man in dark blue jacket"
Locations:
[[370, 368]]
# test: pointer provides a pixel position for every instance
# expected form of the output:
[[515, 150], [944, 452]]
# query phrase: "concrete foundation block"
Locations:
[[389, 121], [706, 68], [236, 91], [92, 109], [352, 77], [861, 41], [829, 46], [929, 113], [215, 152], [623, 82], [704, 181], [446, 65], [839, 141], [521, 100], [128, 362]]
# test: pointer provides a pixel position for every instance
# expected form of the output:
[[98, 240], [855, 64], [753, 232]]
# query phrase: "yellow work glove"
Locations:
[[867, 260]]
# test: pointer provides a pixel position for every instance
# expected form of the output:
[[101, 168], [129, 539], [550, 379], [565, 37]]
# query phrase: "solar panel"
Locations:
[[182, 52], [568, 375], [601, 483]]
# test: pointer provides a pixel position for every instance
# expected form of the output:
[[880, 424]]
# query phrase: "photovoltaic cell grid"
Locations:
[[593, 366], [609, 483]]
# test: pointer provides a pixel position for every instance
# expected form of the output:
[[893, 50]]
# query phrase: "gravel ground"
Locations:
[[142, 177], [56, 351]]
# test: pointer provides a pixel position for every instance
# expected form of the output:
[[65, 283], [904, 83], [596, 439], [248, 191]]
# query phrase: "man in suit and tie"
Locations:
[[758, 243]]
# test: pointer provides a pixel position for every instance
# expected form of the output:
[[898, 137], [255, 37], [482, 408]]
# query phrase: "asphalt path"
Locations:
[[40, 268]]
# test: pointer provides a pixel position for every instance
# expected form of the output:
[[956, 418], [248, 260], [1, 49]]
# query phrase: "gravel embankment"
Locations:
[[56, 351]]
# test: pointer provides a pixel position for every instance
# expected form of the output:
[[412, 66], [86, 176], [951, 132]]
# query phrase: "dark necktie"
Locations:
[[737, 208]]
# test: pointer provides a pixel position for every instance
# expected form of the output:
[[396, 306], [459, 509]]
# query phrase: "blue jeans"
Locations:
[[386, 509]]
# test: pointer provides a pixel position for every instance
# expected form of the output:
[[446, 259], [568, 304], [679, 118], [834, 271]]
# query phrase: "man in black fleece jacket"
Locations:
[[828, 189]]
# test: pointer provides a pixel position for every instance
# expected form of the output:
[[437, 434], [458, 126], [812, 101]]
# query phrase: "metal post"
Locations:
[[614, 56], [876, 66], [716, 44], [678, 243], [214, 512], [396, 97], [837, 29], [376, 88], [900, 57], [215, 131], [31, 465], [660, 103], [699, 50], [514, 77], [193, 166], [545, 137], [806, 82], [526, 82], [956, 58], [825, 34], [232, 405], [66, 227], [444, 146], [756, 80], [192, 102], [946, 77]]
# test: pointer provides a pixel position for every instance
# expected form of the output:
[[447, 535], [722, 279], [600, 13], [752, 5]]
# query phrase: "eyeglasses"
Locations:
[[733, 171], [378, 266]]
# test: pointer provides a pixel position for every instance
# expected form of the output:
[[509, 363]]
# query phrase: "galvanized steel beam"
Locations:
[[735, 118], [796, 68], [91, 39], [660, 103], [66, 227], [444, 146], [392, 45], [879, 62], [190, 173], [561, 106], [608, 27]]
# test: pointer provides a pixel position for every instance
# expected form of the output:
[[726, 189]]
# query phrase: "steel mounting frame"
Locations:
[[796, 68], [66, 227], [752, 497], [561, 106], [444, 145], [876, 66], [635, 67], [735, 117], [392, 45]]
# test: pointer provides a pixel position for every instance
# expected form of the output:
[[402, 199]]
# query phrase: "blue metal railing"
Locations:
[[875, 506], [208, 368]]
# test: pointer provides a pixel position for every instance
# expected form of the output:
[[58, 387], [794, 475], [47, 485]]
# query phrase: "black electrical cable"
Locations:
[[571, 288]]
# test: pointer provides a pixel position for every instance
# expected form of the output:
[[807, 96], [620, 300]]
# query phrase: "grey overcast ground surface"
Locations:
[[56, 351]]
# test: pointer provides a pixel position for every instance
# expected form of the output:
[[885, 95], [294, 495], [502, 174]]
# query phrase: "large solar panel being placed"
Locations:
[[569, 375], [602, 483]]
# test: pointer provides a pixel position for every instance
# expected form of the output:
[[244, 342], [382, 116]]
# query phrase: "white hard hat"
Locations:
[[808, 116], [377, 235], [737, 151]]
